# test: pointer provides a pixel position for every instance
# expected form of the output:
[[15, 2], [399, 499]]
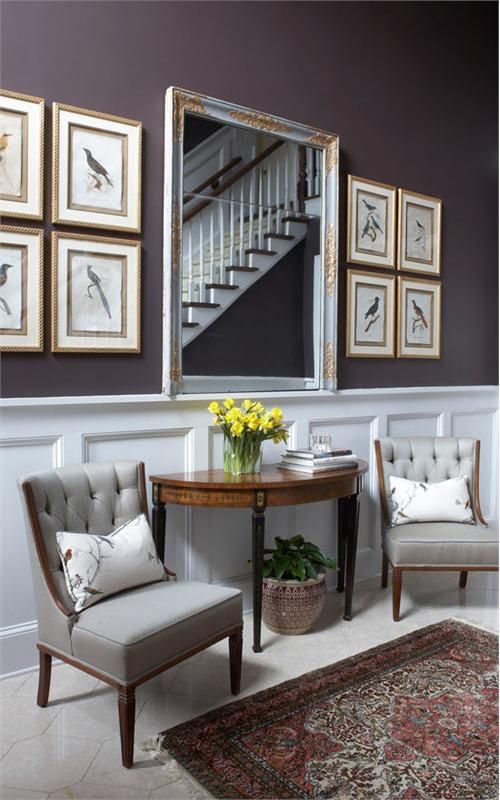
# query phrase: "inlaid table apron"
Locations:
[[270, 487]]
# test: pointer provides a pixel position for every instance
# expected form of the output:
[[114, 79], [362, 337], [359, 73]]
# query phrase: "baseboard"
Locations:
[[18, 646]]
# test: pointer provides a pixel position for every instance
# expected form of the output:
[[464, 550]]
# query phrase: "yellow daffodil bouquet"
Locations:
[[244, 429]]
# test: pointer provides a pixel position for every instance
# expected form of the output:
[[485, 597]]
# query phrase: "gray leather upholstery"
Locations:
[[433, 459], [135, 631], [129, 634]]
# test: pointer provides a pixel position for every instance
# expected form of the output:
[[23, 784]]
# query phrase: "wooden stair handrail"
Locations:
[[192, 212], [213, 178]]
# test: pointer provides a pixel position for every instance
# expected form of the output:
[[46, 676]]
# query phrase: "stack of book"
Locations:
[[313, 461]]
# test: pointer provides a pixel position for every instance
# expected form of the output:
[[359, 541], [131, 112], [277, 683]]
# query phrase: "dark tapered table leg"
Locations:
[[159, 520], [258, 522], [352, 513], [341, 543]]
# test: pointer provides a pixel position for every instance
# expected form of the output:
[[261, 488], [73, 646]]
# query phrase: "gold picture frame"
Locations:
[[96, 294], [419, 318], [22, 119], [21, 291], [371, 223], [370, 314], [419, 232], [96, 169]]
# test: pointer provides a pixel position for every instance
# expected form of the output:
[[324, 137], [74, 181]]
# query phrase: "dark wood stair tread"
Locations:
[[242, 269], [285, 236], [221, 286], [255, 251], [312, 197], [296, 218], [190, 324], [200, 305]]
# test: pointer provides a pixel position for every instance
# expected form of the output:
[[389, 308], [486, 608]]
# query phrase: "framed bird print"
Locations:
[[21, 155], [21, 289], [95, 294], [419, 237], [370, 314], [371, 222], [419, 318], [96, 169]]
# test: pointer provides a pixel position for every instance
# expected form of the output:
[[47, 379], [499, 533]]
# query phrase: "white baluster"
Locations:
[[202, 263], [287, 179], [310, 172], [295, 178], [221, 240], [242, 222], [190, 264], [212, 259], [251, 210], [231, 228], [261, 211], [269, 197], [278, 210]]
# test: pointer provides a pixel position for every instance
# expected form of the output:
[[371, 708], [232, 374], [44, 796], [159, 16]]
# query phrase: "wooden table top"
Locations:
[[269, 477]]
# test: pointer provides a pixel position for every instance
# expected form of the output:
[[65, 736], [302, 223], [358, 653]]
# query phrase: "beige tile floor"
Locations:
[[71, 748]]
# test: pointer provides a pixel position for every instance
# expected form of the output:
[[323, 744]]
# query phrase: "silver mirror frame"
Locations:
[[177, 103]]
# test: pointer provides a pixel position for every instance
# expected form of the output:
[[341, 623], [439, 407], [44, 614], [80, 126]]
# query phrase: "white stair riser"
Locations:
[[201, 315], [295, 228]]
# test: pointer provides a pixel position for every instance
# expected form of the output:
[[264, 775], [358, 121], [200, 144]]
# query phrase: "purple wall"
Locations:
[[411, 88]]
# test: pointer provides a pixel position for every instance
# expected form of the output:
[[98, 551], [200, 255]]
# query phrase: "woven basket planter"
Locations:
[[292, 607]]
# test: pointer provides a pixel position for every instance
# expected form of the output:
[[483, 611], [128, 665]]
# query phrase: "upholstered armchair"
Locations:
[[127, 638], [426, 546]]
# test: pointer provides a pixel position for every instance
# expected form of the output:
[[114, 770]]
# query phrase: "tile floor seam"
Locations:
[[82, 779]]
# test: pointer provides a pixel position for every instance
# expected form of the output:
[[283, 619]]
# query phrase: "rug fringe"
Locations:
[[154, 745], [475, 625]]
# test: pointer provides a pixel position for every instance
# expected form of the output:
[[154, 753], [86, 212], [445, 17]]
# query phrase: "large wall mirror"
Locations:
[[250, 250]]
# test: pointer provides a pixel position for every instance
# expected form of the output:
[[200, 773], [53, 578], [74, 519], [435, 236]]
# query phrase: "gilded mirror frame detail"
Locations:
[[178, 103]]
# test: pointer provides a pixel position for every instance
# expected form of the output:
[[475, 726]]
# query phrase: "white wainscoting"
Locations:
[[174, 436]]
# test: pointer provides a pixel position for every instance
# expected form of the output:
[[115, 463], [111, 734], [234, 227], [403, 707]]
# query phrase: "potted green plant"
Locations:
[[293, 591]]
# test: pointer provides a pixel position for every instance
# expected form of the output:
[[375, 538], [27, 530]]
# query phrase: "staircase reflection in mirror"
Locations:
[[251, 211]]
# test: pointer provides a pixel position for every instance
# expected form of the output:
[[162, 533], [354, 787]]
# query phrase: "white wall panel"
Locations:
[[211, 544], [413, 424]]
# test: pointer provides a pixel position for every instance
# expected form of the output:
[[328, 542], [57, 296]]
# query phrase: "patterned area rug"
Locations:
[[413, 719]]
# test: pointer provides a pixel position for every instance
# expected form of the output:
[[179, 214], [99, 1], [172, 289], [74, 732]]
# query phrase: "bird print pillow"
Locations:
[[415, 501], [96, 566]]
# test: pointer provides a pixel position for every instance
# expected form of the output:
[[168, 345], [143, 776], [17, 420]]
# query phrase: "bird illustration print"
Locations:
[[371, 227], [372, 314], [419, 321], [420, 239], [3, 280], [97, 169], [95, 282], [4, 143]]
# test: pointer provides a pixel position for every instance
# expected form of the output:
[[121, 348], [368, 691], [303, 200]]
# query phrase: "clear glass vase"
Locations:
[[242, 455]]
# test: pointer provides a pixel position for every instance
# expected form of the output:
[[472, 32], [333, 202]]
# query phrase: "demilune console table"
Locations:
[[270, 487]]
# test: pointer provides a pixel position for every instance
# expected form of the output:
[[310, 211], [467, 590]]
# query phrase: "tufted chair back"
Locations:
[[84, 498], [429, 459]]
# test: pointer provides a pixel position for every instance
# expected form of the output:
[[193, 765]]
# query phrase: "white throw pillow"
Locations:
[[415, 501], [96, 566]]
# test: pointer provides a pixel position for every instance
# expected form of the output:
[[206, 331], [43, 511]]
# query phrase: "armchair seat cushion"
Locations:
[[445, 544], [132, 633]]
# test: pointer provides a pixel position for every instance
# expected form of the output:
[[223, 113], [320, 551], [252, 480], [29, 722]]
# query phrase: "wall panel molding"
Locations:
[[211, 544]]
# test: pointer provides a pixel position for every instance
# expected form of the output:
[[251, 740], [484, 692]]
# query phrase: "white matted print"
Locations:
[[21, 290], [96, 294], [96, 169], [371, 222], [419, 318], [370, 314], [21, 155], [419, 238]]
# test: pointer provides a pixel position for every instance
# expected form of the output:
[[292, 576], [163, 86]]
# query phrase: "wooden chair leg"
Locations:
[[44, 679], [235, 655], [397, 577], [463, 580], [385, 570], [126, 711]]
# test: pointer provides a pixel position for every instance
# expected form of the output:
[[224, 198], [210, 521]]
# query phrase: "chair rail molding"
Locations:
[[178, 435]]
